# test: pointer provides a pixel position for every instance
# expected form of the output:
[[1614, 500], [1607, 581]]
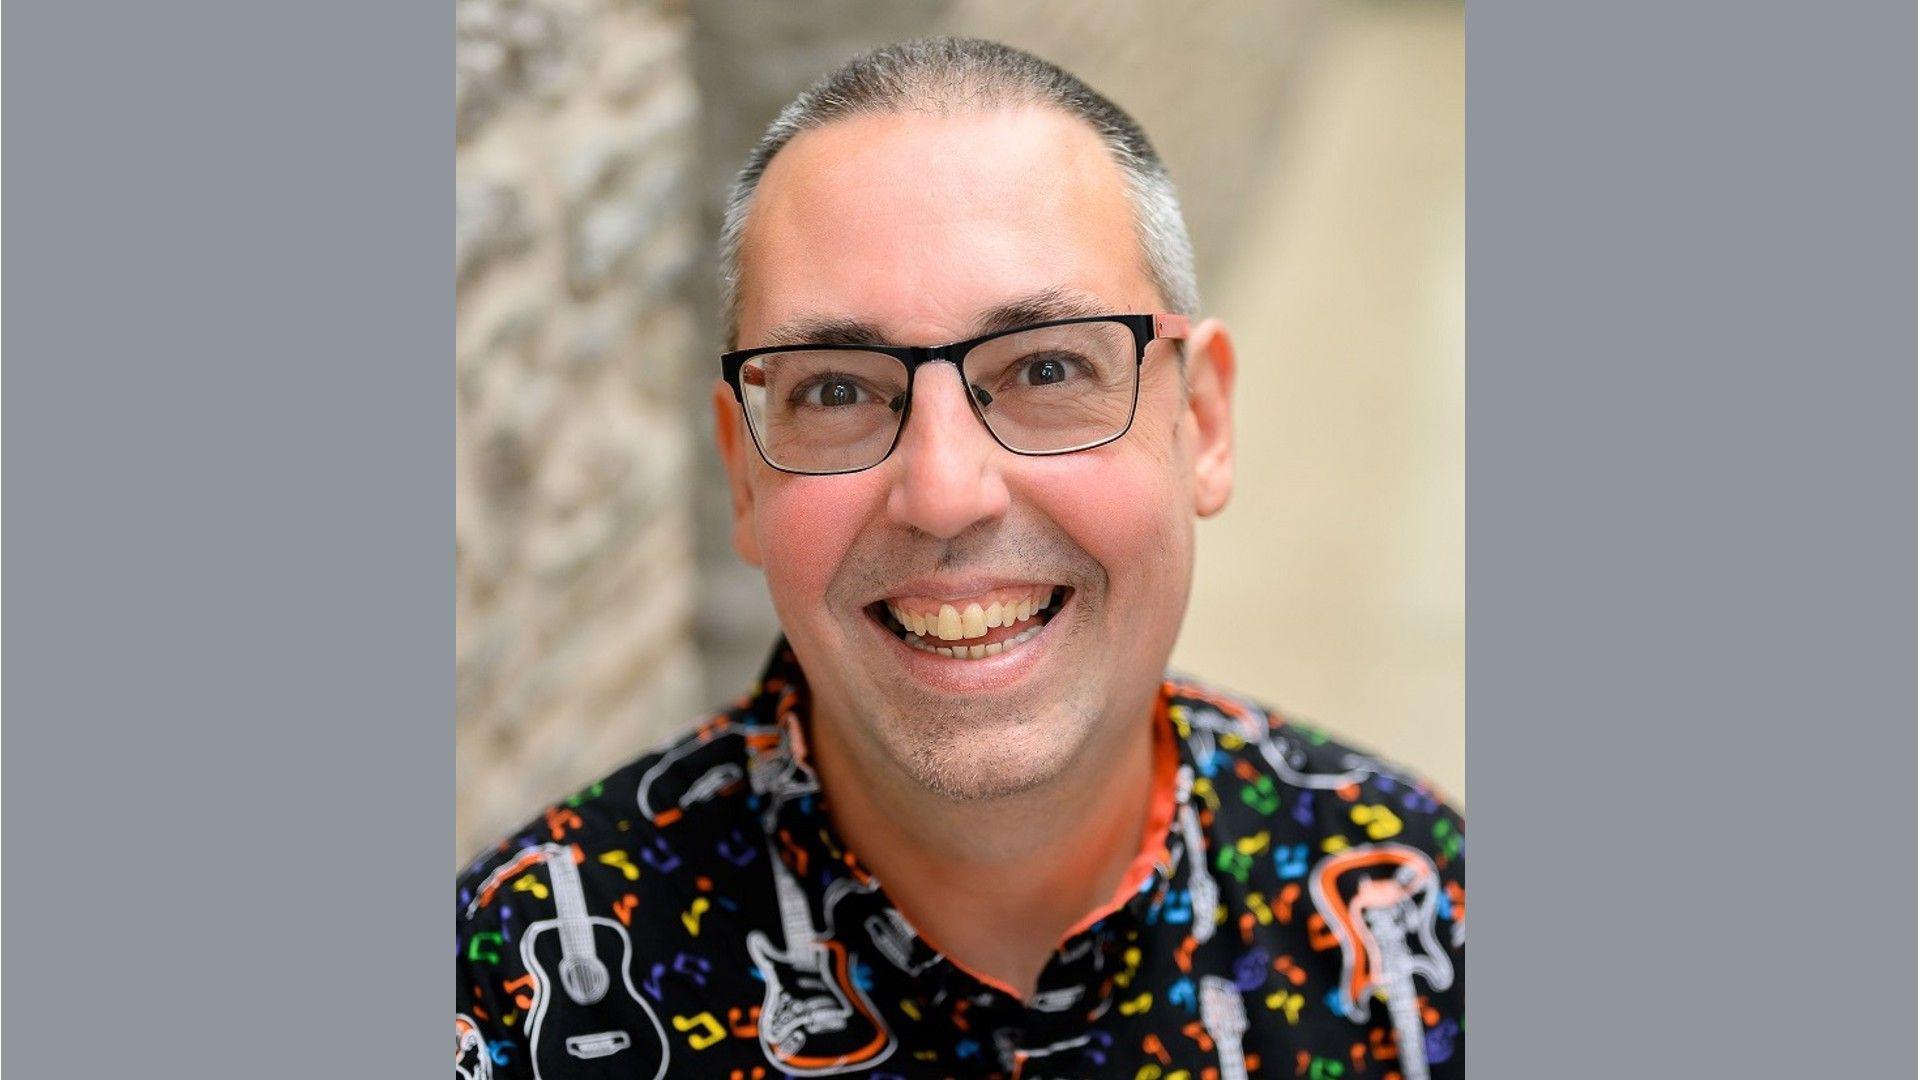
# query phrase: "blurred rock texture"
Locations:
[[599, 605]]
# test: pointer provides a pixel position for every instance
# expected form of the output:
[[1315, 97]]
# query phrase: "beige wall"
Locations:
[[1334, 585]]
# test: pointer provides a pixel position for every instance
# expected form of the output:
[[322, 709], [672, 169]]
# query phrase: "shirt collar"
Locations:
[[1098, 955]]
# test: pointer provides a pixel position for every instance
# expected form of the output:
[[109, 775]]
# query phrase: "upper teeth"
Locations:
[[952, 623]]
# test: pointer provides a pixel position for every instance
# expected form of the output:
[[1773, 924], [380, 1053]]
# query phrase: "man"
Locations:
[[965, 826]]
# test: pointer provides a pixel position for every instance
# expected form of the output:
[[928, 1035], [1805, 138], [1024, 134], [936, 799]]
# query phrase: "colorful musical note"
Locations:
[[619, 861], [524, 982], [706, 1030], [1260, 795], [1289, 896], [1203, 790], [1152, 1045], [530, 884], [1290, 861], [1286, 1002], [1319, 936], [1137, 1005], [1291, 971], [623, 908], [1257, 905], [1379, 821], [476, 949], [690, 918], [659, 856], [560, 819], [1250, 970], [1233, 862], [744, 1025]]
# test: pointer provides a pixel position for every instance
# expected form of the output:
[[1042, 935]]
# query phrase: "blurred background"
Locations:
[[1318, 150]]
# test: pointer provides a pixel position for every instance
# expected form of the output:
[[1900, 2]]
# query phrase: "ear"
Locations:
[[730, 433], [1210, 366]]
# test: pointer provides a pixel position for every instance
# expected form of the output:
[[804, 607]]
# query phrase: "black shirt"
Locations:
[[1299, 911]]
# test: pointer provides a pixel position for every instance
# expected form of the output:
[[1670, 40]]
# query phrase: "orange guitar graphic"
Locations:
[[814, 1020], [1380, 900]]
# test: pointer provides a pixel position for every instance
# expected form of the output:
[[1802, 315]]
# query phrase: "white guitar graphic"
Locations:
[[814, 1020], [566, 1037], [1224, 1016], [1390, 925], [1201, 888]]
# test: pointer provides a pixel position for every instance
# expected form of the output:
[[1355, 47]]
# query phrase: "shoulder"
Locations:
[[651, 829], [1276, 775]]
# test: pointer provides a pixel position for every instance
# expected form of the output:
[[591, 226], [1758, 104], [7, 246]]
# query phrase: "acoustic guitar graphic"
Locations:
[[1381, 900], [1224, 1016], [814, 1020], [568, 1036]]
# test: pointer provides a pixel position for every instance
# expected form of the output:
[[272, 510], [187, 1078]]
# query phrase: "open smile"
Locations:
[[974, 627]]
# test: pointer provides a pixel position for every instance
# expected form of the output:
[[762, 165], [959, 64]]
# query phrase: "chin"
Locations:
[[965, 762]]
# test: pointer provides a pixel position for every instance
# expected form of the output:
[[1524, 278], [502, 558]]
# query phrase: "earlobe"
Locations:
[[730, 436], [1210, 371]]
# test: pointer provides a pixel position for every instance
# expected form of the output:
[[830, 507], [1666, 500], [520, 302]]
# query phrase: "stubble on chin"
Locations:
[[959, 757]]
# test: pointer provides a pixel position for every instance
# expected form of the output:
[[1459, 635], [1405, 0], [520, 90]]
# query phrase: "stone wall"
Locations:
[[576, 355]]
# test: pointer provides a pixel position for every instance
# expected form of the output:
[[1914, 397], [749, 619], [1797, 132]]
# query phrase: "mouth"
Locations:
[[974, 627]]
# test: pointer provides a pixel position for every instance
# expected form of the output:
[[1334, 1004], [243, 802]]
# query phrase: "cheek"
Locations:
[[805, 525], [1128, 511]]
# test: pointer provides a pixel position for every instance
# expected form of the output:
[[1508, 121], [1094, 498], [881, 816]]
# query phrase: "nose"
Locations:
[[947, 466]]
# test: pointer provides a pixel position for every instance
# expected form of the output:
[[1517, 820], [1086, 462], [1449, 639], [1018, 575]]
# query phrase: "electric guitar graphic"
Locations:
[[567, 1036], [1381, 900], [814, 1020], [1224, 1016], [1201, 888]]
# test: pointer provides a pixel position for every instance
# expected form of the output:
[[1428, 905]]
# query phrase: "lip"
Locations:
[[944, 674], [949, 589]]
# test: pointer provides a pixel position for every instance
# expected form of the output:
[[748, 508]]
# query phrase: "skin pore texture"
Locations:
[[999, 801]]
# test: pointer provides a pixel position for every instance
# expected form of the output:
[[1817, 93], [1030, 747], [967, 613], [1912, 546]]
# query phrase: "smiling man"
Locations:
[[966, 825]]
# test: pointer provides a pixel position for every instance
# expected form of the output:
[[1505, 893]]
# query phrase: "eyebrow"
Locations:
[[1042, 306]]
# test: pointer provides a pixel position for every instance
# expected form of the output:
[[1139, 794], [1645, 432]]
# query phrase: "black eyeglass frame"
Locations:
[[1146, 329]]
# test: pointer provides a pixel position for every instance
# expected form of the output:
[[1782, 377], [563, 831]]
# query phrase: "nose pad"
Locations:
[[948, 480]]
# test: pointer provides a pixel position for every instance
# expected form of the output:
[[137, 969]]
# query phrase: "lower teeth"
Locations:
[[972, 652]]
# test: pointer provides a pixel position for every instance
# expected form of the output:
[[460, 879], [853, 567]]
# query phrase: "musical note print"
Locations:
[[696, 914]]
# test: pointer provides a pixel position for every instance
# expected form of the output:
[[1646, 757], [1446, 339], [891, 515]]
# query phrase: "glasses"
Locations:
[[1050, 388]]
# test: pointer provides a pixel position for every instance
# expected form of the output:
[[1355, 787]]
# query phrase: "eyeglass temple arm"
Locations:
[[1170, 326]]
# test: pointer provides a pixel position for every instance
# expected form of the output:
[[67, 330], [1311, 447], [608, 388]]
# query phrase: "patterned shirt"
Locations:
[[1299, 911]]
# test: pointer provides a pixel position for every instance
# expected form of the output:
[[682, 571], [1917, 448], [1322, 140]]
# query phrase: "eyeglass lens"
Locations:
[[1045, 390]]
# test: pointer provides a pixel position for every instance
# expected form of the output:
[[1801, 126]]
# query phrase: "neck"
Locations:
[[996, 885]]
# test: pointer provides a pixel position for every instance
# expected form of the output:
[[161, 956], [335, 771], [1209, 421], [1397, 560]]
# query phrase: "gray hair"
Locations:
[[951, 74]]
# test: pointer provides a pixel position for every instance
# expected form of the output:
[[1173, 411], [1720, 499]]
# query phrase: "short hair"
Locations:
[[947, 75]]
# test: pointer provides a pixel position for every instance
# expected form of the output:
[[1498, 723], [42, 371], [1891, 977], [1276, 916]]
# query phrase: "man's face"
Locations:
[[922, 227]]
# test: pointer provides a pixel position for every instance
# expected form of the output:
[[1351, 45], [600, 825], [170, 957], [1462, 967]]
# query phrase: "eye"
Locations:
[[831, 391], [1045, 369]]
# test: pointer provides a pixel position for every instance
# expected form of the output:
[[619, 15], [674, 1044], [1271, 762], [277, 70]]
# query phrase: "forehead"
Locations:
[[918, 223]]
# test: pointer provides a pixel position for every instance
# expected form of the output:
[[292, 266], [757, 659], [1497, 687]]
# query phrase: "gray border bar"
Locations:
[[1691, 550], [228, 447]]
